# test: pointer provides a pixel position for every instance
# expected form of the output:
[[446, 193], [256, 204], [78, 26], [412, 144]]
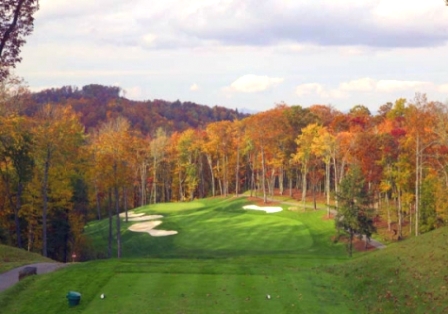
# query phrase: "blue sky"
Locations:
[[244, 54]]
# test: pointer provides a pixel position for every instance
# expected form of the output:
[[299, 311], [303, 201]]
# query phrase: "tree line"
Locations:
[[56, 175]]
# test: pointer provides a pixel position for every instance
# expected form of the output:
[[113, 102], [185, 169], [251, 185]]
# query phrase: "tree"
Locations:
[[16, 155], [113, 148], [305, 153], [58, 134], [158, 147], [324, 146], [353, 215], [17, 20]]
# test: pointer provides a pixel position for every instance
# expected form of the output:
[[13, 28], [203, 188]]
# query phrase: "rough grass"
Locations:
[[11, 257], [406, 277]]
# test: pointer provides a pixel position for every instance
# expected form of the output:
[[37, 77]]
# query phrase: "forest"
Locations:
[[69, 156]]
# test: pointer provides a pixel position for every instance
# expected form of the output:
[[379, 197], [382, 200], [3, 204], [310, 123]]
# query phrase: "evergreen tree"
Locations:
[[354, 212]]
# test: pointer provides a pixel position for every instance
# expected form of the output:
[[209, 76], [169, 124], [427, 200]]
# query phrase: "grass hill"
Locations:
[[406, 277], [227, 260], [11, 257]]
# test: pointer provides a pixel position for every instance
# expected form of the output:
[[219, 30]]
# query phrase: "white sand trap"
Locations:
[[268, 210], [143, 218], [162, 233], [132, 214], [149, 226]]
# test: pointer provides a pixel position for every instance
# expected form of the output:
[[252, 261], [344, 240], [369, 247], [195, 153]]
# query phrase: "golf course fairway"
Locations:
[[225, 259]]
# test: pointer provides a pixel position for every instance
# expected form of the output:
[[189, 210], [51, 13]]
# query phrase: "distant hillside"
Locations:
[[97, 102]]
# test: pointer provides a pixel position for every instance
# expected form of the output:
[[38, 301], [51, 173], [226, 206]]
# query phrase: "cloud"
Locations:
[[389, 86], [443, 88], [309, 89], [194, 87], [134, 93], [179, 23], [368, 85], [361, 85], [253, 83], [374, 23], [319, 90]]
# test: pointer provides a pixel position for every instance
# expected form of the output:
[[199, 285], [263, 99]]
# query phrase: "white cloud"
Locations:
[[443, 88], [319, 90], [134, 93], [194, 87], [149, 39], [368, 85], [390, 86], [253, 83], [309, 89], [361, 85]]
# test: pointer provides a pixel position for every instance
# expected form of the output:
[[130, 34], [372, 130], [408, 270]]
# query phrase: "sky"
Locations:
[[245, 54]]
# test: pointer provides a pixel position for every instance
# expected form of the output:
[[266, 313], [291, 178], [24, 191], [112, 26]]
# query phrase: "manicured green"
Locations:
[[11, 257], [238, 285]]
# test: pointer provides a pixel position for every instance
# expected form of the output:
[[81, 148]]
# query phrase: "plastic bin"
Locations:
[[73, 298]]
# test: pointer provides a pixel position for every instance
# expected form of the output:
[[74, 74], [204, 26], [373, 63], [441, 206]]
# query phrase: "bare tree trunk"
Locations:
[[109, 251], [154, 181], [16, 214], [281, 178], [117, 212], [304, 185], [290, 186], [125, 203], [210, 164], [417, 184], [143, 184], [263, 179], [237, 171], [98, 203], [388, 212], [327, 186], [400, 214], [45, 202]]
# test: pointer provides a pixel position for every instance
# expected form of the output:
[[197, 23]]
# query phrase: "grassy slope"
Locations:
[[406, 277], [11, 257]]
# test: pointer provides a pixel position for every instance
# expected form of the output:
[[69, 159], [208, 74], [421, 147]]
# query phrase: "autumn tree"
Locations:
[[158, 151], [17, 22], [17, 162], [113, 148], [57, 135], [305, 153]]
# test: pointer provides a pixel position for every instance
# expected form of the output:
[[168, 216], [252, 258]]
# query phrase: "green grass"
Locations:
[[406, 277], [231, 266], [180, 286], [11, 257], [221, 228]]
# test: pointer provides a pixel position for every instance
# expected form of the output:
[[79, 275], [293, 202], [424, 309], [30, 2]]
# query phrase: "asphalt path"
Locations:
[[11, 277]]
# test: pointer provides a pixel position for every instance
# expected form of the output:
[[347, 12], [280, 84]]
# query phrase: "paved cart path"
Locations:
[[11, 277]]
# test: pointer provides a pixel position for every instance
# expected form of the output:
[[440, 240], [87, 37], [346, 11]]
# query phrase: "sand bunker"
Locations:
[[149, 226], [132, 214], [143, 218], [268, 210]]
